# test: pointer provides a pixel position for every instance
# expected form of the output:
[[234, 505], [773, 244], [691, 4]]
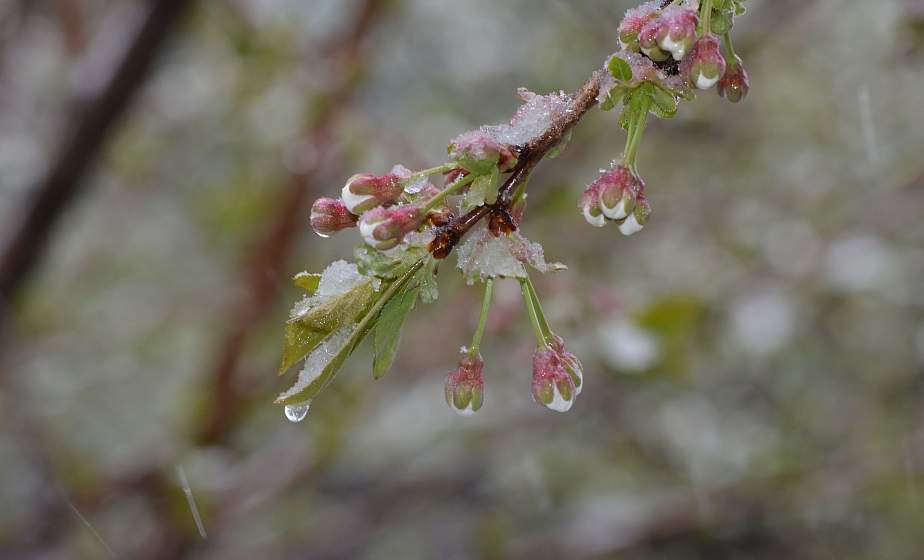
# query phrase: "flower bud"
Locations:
[[705, 66], [632, 24], [328, 216], [570, 362], [552, 387], [735, 84], [618, 189], [677, 32], [365, 191], [589, 203], [464, 386], [639, 216], [479, 153], [383, 228], [648, 40]]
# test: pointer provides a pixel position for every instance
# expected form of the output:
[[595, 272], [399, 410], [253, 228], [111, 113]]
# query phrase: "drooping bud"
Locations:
[[618, 188], [383, 228], [638, 219], [552, 387], [464, 386], [735, 84], [479, 153], [648, 39], [570, 362], [677, 31], [365, 191], [589, 204], [705, 66], [632, 24], [328, 216]]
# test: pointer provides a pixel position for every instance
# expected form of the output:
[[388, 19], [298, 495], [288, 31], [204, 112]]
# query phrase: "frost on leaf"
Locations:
[[342, 296], [411, 187], [318, 360], [532, 119], [485, 256]]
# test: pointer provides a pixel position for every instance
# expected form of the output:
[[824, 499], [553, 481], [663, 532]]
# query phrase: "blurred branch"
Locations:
[[263, 271], [92, 125]]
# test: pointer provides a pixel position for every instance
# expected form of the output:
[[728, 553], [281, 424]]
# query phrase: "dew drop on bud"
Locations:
[[297, 412]]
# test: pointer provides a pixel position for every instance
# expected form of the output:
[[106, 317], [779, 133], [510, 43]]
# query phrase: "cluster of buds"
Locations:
[[558, 376], [477, 152], [617, 195], [464, 386], [678, 32]]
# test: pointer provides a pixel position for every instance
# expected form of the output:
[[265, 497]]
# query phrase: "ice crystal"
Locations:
[[485, 256], [338, 278], [412, 187], [533, 118], [318, 359]]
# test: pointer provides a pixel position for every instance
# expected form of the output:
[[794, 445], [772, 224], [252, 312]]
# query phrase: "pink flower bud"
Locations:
[[383, 228], [328, 216], [589, 204], [705, 66], [735, 84], [365, 191], [479, 153], [570, 362], [638, 219], [553, 387], [618, 188], [632, 24], [677, 31], [465, 385], [648, 39]]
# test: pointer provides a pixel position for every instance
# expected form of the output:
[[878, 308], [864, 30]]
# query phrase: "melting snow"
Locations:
[[338, 278], [532, 118], [485, 256]]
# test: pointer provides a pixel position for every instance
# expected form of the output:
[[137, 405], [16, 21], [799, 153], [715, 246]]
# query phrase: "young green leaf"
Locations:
[[305, 332], [369, 318], [620, 69], [387, 333], [307, 281]]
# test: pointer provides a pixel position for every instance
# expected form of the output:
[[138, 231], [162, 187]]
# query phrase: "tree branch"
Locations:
[[583, 100]]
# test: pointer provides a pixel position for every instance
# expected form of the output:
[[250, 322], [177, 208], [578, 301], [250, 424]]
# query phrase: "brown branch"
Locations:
[[583, 100], [264, 268], [93, 125]]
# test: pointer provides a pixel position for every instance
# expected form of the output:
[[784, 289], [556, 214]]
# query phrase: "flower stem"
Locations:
[[731, 59], [483, 319], [547, 333], [436, 200], [706, 17], [636, 129], [432, 171], [531, 310]]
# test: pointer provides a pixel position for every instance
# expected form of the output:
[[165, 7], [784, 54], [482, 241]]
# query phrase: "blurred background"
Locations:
[[754, 359]]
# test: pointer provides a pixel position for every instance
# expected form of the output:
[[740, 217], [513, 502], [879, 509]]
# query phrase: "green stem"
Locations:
[[731, 60], [706, 17], [436, 200], [432, 171], [531, 310], [547, 333], [636, 130], [483, 319]]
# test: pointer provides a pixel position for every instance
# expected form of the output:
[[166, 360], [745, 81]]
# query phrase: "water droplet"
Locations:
[[297, 412], [322, 235]]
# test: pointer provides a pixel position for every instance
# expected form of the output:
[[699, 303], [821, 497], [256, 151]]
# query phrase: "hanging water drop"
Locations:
[[297, 412]]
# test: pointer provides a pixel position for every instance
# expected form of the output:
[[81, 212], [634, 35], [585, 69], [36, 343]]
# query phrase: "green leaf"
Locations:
[[307, 281], [429, 290], [620, 69], [560, 147], [362, 329], [305, 332], [490, 194], [476, 194], [388, 328], [663, 102]]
